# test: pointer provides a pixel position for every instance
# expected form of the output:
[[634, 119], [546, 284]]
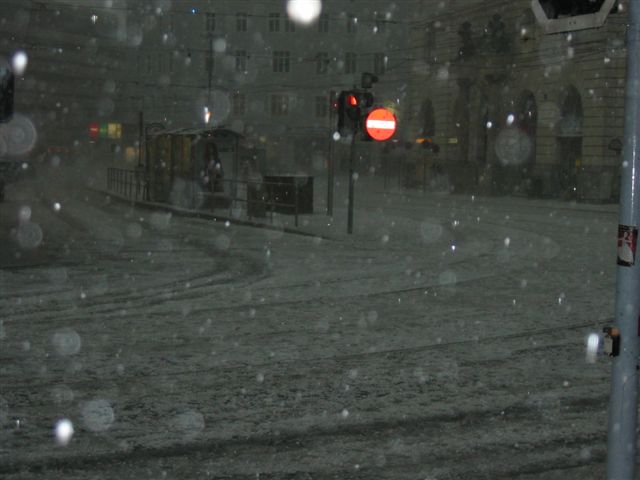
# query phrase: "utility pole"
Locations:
[[331, 163], [352, 181], [210, 70], [623, 405]]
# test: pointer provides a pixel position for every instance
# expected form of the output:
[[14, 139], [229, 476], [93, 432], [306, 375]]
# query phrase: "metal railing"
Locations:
[[129, 183], [259, 197]]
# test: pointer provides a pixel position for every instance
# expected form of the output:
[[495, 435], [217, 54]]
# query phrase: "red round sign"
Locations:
[[381, 124]]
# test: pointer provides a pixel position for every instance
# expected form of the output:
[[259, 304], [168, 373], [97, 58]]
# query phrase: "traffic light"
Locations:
[[7, 84], [353, 105]]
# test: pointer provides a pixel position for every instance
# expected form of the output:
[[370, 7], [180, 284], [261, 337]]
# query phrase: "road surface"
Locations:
[[443, 340]]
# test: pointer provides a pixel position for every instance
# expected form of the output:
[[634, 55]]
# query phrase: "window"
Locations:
[[160, 62], [381, 23], [323, 23], [241, 60], [379, 63], [430, 42], [350, 62], [281, 61], [322, 106], [241, 22], [238, 100], [274, 22], [352, 23], [279, 105], [322, 62], [211, 22], [289, 26]]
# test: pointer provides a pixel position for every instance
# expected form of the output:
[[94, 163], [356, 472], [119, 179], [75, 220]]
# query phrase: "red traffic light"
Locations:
[[352, 100]]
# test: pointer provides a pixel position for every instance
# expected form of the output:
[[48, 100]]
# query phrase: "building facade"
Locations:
[[251, 68], [75, 72], [512, 109]]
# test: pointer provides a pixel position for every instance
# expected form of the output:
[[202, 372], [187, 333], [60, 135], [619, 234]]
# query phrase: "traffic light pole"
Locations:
[[331, 163], [623, 406], [352, 181]]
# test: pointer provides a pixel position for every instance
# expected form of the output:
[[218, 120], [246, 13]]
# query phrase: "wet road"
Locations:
[[443, 341]]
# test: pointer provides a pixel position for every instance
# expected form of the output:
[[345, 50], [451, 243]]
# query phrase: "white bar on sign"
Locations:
[[383, 124]]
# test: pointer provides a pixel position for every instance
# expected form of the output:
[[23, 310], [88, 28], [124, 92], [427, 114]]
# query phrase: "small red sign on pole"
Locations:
[[381, 124], [94, 130]]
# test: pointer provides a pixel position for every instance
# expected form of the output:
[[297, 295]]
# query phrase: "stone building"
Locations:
[[514, 110], [75, 70], [263, 75]]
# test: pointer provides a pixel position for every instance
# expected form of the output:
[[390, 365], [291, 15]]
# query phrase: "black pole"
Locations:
[[352, 156], [331, 163]]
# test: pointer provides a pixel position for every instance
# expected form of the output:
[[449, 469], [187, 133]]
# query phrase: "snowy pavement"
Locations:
[[444, 339]]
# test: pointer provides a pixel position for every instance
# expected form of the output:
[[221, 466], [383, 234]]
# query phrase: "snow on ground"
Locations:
[[443, 339]]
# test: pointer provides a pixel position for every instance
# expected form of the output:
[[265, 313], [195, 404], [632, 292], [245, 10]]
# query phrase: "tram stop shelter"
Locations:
[[176, 163]]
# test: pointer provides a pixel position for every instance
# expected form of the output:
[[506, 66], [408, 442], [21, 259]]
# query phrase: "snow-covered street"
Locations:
[[444, 339]]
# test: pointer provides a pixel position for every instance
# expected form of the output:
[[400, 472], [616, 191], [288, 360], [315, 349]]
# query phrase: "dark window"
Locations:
[[281, 61], [381, 23], [211, 22], [352, 23], [379, 63], [274, 22], [350, 62], [279, 105], [289, 26], [322, 106], [241, 22], [241, 61], [322, 63], [238, 103], [323, 23]]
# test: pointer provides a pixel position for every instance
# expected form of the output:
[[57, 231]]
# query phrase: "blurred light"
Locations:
[[94, 18], [207, 115], [304, 11], [63, 432], [194, 10], [593, 344], [510, 119], [19, 62]]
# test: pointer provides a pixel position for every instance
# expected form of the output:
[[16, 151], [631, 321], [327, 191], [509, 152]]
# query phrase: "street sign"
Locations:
[[381, 124], [557, 16], [94, 130]]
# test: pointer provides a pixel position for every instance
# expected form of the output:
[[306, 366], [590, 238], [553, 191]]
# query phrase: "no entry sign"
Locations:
[[381, 124]]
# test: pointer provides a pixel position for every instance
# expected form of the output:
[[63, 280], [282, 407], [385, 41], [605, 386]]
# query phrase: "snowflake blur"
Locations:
[[63, 432], [19, 62], [304, 11]]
